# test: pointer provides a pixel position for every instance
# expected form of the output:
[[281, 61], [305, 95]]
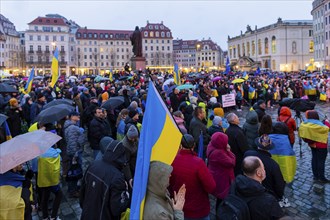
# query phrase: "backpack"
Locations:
[[233, 207]]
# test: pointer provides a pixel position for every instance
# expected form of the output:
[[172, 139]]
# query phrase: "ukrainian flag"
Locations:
[[314, 130], [284, 155], [252, 92], [177, 79], [110, 75], [11, 203], [159, 141], [7, 131], [257, 71], [55, 73], [245, 76], [28, 85]]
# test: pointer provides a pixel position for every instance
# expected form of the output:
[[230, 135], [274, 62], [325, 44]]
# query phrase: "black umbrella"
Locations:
[[4, 87], [3, 118], [123, 78], [113, 102], [55, 113], [58, 102]]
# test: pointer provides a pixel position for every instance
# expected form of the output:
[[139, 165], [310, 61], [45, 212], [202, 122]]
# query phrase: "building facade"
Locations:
[[283, 46], [184, 52], [43, 35], [321, 27], [157, 46], [9, 46], [99, 51]]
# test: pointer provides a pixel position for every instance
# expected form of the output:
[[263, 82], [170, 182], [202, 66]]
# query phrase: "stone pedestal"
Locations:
[[138, 63]]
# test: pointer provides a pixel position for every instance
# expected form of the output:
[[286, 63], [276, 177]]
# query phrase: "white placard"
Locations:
[[228, 100]]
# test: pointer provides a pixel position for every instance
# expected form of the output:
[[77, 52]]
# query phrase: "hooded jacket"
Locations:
[[158, 203], [262, 205], [104, 190], [285, 116], [191, 170], [250, 128], [74, 138], [261, 112], [221, 164]]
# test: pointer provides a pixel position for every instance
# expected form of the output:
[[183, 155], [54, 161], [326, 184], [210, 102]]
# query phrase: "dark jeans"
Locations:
[[319, 156], [73, 184], [45, 194]]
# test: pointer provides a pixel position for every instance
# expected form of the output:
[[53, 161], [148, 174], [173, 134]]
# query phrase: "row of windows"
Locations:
[[102, 50], [246, 48], [156, 27], [45, 38], [39, 48], [95, 57], [102, 36], [157, 41], [46, 59], [156, 48], [157, 62], [199, 64], [106, 43], [156, 34], [9, 46], [47, 29], [158, 55], [205, 58]]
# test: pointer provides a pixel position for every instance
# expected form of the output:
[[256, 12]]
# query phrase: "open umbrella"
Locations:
[[238, 81], [217, 78], [25, 147], [4, 87], [53, 114], [185, 86], [3, 118], [113, 102], [58, 102]]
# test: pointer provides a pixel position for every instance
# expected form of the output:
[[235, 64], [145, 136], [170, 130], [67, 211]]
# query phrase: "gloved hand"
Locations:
[[81, 130]]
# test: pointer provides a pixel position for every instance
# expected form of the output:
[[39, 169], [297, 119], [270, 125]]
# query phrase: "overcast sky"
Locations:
[[187, 19]]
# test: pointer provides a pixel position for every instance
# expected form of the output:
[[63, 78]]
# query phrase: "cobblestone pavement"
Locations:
[[308, 200]]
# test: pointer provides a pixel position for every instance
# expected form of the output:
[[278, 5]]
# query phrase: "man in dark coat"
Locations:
[[85, 98], [98, 128], [237, 141], [274, 181], [37, 106], [262, 205], [174, 98], [260, 108], [104, 192], [197, 126]]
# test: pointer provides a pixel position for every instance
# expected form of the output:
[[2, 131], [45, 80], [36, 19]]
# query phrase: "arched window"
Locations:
[[238, 50], [248, 49], [243, 49], [253, 48], [259, 47], [168, 34], [294, 47], [151, 34], [273, 45], [266, 45], [162, 34], [146, 33], [157, 33]]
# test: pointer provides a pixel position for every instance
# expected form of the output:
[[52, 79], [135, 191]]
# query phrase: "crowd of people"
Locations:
[[235, 160]]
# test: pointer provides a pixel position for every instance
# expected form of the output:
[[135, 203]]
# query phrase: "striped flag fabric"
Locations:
[[55, 72]]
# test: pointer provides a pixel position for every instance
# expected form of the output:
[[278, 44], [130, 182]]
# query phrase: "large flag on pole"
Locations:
[[227, 66], [245, 76], [159, 141], [28, 85], [7, 131], [55, 73], [257, 71], [177, 79], [110, 75]]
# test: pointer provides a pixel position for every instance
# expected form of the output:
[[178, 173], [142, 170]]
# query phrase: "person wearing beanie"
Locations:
[[216, 125], [251, 128], [130, 143], [26, 108], [132, 119], [15, 116], [219, 112], [192, 171], [274, 180], [221, 163], [77, 103], [260, 108], [37, 106]]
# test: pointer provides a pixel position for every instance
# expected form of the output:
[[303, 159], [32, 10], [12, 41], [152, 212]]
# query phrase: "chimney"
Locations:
[[147, 21], [161, 22]]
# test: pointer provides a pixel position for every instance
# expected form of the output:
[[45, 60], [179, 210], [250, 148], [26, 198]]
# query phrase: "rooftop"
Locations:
[[96, 34]]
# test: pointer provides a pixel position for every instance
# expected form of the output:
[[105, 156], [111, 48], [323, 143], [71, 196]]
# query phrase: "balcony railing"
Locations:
[[39, 51], [62, 51], [47, 51], [31, 51]]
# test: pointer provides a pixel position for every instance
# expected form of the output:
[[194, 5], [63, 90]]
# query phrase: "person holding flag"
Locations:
[[176, 76], [28, 86]]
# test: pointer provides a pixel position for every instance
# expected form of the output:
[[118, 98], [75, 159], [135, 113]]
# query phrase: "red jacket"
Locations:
[[221, 164], [285, 116], [191, 170]]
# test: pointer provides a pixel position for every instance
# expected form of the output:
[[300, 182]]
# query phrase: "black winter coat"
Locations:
[[238, 145], [262, 204], [274, 181], [98, 129], [14, 121], [251, 128]]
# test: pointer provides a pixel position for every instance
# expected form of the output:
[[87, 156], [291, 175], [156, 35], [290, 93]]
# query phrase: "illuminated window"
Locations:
[[259, 47], [266, 45], [151, 34], [248, 49], [243, 49], [253, 48], [294, 47], [273, 44], [311, 46]]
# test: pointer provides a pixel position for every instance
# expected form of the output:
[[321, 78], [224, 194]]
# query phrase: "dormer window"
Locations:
[[146, 33], [156, 27], [168, 34], [151, 27], [162, 27]]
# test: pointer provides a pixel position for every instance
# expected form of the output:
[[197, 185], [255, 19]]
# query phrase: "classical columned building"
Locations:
[[282, 46]]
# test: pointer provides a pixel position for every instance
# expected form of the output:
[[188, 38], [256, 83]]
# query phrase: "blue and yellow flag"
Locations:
[[55, 73], [7, 131], [28, 85], [314, 130], [227, 66], [176, 75], [252, 92], [154, 145], [245, 76], [284, 155], [257, 71], [110, 75]]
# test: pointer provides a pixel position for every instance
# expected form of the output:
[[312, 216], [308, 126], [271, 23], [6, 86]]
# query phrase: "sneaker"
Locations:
[[284, 202]]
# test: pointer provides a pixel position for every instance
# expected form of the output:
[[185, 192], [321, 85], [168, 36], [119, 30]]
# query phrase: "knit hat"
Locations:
[[132, 113], [264, 142], [218, 112], [73, 113], [13, 102], [213, 100], [132, 132], [216, 120], [40, 95], [187, 141], [261, 101]]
